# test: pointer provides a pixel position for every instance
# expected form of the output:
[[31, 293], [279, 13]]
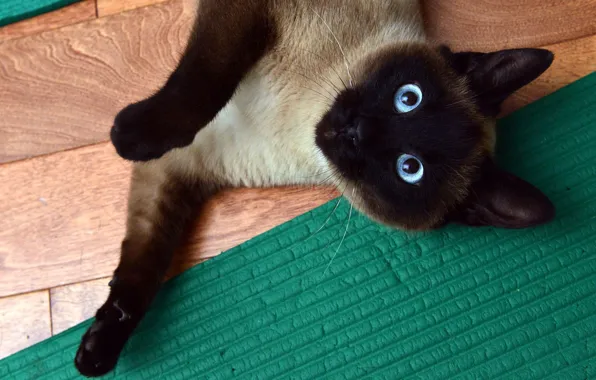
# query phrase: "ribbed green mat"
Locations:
[[17, 10], [458, 303]]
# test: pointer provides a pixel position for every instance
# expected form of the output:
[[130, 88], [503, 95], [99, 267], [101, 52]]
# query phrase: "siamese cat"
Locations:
[[299, 92]]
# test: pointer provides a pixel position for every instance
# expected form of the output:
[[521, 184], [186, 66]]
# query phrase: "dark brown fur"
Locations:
[[164, 200], [162, 206], [270, 40], [454, 191]]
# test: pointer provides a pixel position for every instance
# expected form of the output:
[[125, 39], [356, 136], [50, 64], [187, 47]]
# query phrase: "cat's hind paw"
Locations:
[[103, 342]]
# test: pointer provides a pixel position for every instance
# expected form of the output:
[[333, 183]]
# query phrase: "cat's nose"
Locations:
[[353, 132]]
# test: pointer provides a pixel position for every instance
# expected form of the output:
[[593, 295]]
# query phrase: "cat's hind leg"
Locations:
[[162, 206]]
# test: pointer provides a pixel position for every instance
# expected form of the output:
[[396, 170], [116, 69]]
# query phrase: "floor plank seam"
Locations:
[[569, 39], [42, 155], [50, 311]]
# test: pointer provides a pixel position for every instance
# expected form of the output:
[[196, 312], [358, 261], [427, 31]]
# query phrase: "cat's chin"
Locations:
[[379, 212]]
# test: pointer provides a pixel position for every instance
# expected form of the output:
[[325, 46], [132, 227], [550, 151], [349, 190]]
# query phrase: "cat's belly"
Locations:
[[263, 137]]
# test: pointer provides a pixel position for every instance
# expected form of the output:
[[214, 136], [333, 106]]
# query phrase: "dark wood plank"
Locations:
[[489, 25], [61, 89], [72, 14], [62, 218], [24, 320]]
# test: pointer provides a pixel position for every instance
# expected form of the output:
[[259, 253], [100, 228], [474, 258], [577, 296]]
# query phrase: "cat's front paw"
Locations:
[[144, 146], [148, 129], [103, 342]]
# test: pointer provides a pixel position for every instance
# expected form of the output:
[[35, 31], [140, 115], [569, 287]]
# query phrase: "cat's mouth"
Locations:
[[349, 133]]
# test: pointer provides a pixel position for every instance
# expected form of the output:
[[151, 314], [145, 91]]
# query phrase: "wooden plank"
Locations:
[[61, 89], [62, 218], [63, 210], [110, 7], [72, 14], [489, 25], [73, 304], [573, 60], [24, 321]]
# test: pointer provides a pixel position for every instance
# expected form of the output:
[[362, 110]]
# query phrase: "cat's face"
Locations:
[[413, 138]]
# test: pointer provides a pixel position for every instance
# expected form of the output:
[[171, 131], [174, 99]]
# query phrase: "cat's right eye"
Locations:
[[407, 98], [410, 168]]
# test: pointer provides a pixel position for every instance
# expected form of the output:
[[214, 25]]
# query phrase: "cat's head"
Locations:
[[414, 136]]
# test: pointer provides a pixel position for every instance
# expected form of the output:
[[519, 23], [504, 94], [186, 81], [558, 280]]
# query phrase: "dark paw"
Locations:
[[136, 147], [148, 129], [102, 344]]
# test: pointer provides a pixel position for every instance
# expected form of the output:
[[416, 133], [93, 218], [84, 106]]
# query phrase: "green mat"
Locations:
[[17, 10], [458, 303]]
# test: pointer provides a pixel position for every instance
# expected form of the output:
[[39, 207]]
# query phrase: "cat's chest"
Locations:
[[264, 137]]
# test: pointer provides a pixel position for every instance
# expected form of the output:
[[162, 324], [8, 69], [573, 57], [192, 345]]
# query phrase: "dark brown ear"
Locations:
[[494, 76], [501, 199]]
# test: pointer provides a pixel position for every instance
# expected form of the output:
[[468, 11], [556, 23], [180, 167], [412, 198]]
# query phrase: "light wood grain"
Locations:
[[489, 25], [61, 214], [73, 304], [72, 14], [62, 218], [573, 60], [61, 89], [110, 7], [24, 320]]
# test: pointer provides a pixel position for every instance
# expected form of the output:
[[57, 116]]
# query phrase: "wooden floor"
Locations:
[[63, 77]]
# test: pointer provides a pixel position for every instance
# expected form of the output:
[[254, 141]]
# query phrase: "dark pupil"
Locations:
[[409, 98], [411, 166]]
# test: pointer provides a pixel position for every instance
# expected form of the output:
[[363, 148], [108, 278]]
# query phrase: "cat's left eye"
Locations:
[[407, 98], [410, 168]]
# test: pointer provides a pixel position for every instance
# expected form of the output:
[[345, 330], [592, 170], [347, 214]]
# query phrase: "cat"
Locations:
[[299, 92]]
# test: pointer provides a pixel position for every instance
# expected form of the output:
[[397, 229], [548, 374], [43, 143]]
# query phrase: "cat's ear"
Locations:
[[496, 75], [500, 199]]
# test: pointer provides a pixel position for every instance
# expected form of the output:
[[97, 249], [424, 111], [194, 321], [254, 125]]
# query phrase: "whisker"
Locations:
[[327, 64], [326, 89], [332, 68], [339, 199], [315, 82], [339, 185], [339, 45], [456, 172], [328, 170], [329, 95], [471, 98], [318, 93], [343, 237]]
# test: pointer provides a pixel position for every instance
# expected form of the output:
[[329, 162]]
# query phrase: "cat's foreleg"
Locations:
[[162, 206], [228, 39]]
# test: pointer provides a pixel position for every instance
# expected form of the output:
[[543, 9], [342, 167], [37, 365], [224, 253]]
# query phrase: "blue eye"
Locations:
[[410, 168], [407, 98]]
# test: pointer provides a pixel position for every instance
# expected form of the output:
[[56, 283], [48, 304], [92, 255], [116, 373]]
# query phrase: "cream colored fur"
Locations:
[[265, 136]]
